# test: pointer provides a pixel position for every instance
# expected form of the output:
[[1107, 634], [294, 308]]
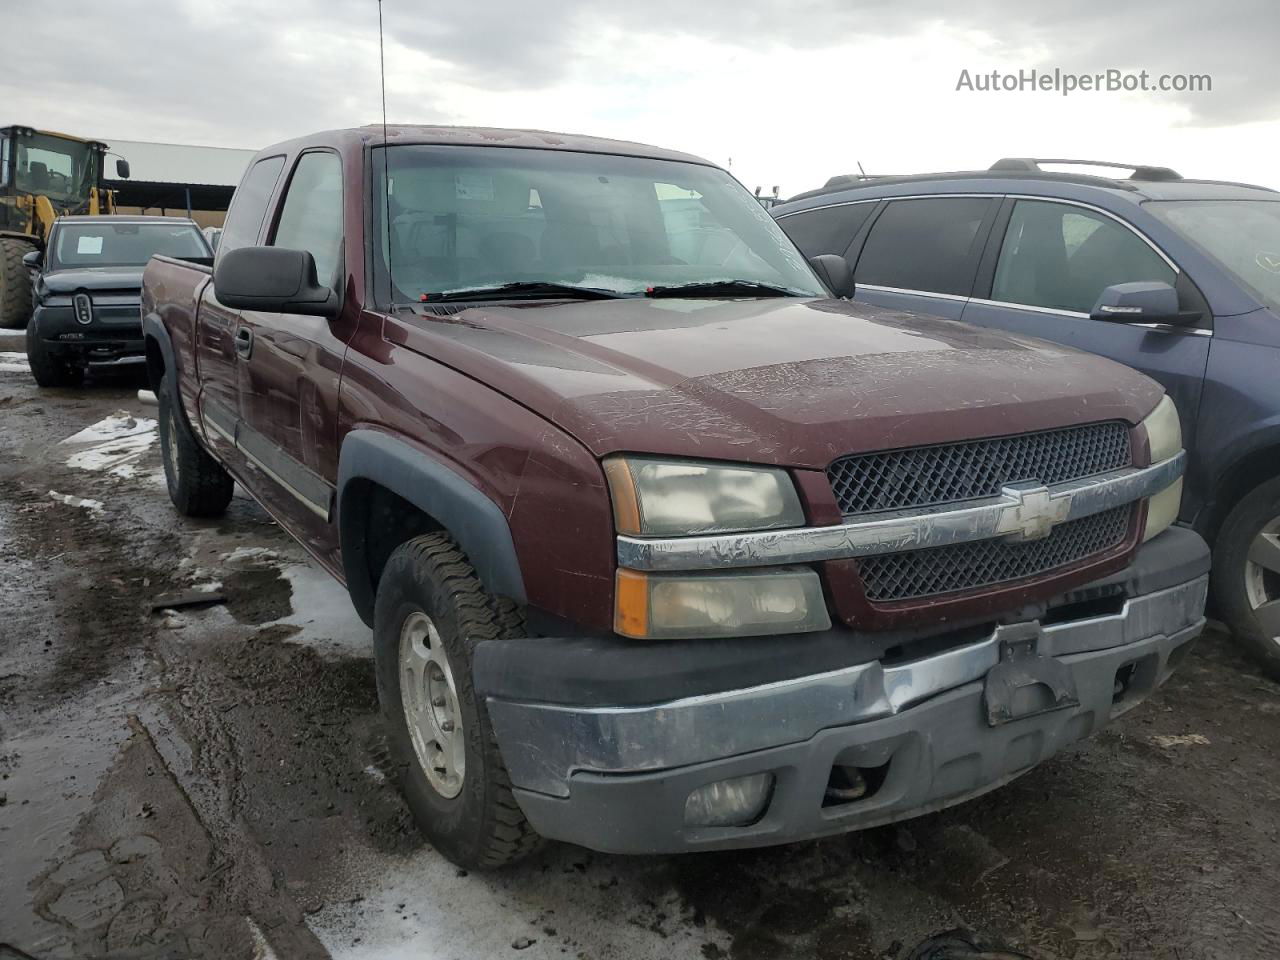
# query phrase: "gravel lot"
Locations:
[[211, 782]]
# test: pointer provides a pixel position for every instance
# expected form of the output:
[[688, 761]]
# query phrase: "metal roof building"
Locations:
[[176, 176]]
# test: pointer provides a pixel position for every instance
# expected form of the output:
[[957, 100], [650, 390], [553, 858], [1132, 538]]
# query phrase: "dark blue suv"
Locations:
[[1178, 278]]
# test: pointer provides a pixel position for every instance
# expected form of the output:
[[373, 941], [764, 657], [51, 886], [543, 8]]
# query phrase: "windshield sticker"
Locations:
[[1269, 261], [89, 245], [473, 186]]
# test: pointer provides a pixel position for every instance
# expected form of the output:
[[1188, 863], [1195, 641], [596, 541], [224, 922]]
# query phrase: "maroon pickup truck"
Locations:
[[664, 546]]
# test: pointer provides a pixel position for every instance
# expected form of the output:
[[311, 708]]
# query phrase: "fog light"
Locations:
[[739, 802]]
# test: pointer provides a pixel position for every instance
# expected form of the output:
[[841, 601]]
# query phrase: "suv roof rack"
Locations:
[[1032, 165], [852, 179]]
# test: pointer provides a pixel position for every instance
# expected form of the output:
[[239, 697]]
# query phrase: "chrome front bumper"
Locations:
[[546, 745]]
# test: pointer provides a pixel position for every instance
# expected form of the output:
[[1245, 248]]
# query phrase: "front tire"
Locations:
[[430, 613], [46, 369], [198, 485], [15, 283], [1246, 574]]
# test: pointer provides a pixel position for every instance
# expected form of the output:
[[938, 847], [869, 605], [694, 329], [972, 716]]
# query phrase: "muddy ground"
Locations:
[[211, 782]]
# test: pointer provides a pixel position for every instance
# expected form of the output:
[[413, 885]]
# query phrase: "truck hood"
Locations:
[[793, 382], [122, 279]]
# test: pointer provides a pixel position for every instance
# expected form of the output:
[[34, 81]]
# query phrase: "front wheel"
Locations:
[[1246, 574], [430, 613]]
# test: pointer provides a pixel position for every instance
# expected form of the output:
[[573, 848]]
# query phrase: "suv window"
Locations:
[[311, 218], [1061, 256], [827, 229], [928, 244], [249, 205]]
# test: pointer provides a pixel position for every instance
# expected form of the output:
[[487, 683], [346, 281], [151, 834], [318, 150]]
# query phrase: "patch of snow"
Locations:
[[93, 506], [241, 554], [210, 587], [411, 908], [14, 363], [114, 454], [119, 424], [323, 613], [261, 948], [374, 774], [1181, 740]]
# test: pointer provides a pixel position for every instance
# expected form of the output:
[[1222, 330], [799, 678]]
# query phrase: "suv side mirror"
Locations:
[[272, 280], [837, 273], [33, 259], [122, 168], [1143, 301]]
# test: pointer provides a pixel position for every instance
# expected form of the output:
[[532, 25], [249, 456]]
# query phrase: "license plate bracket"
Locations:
[[1022, 667]]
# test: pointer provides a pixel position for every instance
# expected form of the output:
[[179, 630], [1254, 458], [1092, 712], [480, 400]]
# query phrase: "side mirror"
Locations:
[[33, 260], [1143, 301], [836, 272], [122, 168], [272, 280]]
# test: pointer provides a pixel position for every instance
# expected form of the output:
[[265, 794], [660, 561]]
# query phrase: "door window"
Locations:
[[827, 229], [1061, 256], [930, 244], [311, 218], [249, 205]]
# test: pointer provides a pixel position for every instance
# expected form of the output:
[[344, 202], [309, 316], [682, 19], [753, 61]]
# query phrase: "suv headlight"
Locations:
[[1164, 437], [674, 498]]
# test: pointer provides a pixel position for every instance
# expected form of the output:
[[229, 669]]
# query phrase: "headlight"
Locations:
[[682, 498], [1164, 437], [743, 603], [1164, 430]]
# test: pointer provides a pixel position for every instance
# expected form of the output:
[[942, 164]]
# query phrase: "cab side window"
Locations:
[[1062, 257], [249, 206], [931, 245], [311, 218]]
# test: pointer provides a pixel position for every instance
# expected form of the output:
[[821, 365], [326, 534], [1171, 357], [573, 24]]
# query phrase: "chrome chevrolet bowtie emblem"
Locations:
[[1033, 513]]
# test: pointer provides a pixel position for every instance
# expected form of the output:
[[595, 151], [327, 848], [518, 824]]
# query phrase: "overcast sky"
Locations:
[[788, 92]]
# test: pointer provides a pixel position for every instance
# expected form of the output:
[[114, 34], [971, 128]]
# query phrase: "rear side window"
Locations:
[[929, 244], [249, 205], [1061, 256], [311, 218], [828, 229]]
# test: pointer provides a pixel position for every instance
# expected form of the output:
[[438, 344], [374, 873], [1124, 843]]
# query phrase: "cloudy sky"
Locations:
[[788, 92]]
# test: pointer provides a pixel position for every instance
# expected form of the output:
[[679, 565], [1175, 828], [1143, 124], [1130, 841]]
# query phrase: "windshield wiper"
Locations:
[[724, 288], [524, 289]]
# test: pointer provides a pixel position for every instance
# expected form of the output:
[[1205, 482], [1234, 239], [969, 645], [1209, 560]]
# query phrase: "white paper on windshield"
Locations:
[[473, 186], [89, 245]]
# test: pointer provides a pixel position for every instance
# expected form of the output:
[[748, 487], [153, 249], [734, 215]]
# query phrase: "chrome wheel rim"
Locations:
[[1262, 579], [170, 457], [430, 702]]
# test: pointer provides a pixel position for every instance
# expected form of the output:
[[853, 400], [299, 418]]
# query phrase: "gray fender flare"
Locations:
[[154, 329], [470, 517]]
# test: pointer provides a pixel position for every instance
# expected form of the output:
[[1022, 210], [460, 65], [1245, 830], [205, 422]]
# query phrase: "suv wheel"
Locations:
[[1246, 574], [430, 613], [15, 283], [46, 369], [198, 484]]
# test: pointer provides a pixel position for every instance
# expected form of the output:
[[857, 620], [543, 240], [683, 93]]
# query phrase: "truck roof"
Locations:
[[485, 137]]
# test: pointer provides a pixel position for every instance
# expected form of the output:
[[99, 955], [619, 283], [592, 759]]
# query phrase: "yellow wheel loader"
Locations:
[[43, 176]]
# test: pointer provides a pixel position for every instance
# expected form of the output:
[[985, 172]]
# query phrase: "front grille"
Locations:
[[922, 476], [965, 566]]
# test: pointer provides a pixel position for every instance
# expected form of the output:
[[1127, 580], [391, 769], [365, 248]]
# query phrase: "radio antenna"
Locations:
[[386, 173]]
